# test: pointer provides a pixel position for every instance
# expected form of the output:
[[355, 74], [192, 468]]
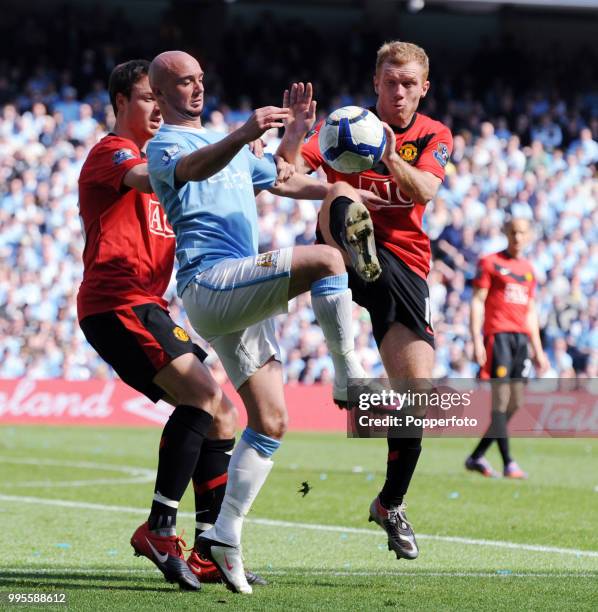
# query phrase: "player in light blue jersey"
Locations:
[[206, 184]]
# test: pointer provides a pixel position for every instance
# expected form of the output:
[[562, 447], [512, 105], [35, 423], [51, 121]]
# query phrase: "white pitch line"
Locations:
[[61, 484], [100, 571], [139, 475], [90, 465], [63, 503], [438, 538]]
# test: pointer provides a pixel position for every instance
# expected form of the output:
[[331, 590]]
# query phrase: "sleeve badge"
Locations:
[[441, 155], [309, 135], [122, 155], [170, 153]]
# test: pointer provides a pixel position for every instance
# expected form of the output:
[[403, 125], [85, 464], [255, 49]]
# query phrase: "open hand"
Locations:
[[302, 107], [262, 120], [371, 200]]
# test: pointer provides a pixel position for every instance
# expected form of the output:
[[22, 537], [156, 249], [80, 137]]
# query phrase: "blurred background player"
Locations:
[[206, 184], [128, 260], [406, 179], [503, 301]]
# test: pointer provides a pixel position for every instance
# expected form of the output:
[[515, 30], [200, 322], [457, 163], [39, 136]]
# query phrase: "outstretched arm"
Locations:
[[209, 160], [301, 187], [302, 115]]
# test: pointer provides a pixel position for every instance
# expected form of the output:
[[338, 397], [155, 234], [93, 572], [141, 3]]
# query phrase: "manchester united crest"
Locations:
[[180, 334], [501, 371], [408, 152]]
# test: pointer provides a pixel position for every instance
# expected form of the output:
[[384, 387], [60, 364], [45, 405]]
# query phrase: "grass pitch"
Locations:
[[70, 499]]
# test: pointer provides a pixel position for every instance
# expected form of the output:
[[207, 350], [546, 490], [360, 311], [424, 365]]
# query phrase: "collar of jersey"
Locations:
[[395, 128], [183, 128]]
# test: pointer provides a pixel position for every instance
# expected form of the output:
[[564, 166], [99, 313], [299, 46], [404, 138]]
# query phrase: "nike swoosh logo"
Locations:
[[162, 558], [405, 538], [229, 567]]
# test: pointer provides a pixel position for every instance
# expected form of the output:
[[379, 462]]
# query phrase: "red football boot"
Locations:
[[207, 572], [167, 553]]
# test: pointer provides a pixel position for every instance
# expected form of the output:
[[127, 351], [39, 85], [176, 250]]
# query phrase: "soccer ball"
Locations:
[[352, 139]]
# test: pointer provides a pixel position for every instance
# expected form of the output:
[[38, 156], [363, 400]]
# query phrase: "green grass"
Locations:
[[85, 551]]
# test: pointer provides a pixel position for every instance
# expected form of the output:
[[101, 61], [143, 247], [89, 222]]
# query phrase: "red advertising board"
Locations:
[[111, 402], [568, 413]]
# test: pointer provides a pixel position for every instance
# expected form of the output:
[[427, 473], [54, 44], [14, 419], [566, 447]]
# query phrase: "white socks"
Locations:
[[247, 473], [334, 314]]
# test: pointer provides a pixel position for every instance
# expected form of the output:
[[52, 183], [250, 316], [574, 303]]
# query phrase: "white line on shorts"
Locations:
[[64, 503]]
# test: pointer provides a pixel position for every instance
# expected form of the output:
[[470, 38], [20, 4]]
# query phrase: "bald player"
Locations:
[[206, 184], [503, 301], [128, 260]]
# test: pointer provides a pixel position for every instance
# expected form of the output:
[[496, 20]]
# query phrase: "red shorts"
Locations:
[[138, 341]]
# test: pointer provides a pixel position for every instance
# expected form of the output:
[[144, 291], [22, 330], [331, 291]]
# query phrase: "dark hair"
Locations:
[[124, 76]]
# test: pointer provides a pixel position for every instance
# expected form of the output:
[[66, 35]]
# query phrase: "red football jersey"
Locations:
[[511, 285], [129, 246], [425, 144]]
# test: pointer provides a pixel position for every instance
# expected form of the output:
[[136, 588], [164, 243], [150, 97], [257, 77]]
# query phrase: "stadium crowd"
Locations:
[[535, 153], [41, 154]]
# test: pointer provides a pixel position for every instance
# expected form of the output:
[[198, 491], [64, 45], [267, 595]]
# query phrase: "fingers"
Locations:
[[286, 173], [391, 141], [257, 147], [271, 116], [371, 200], [269, 110], [296, 93], [309, 92], [301, 93], [390, 135], [284, 169], [286, 99]]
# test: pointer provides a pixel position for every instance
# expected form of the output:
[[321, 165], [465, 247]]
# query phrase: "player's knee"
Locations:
[[330, 260], [342, 189], [212, 394], [275, 424], [204, 393], [225, 419]]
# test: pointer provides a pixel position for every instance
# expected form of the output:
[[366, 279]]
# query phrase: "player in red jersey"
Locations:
[[128, 260], [504, 300], [405, 180]]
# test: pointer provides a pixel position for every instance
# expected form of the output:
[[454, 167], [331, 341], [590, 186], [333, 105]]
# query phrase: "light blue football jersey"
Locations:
[[213, 219]]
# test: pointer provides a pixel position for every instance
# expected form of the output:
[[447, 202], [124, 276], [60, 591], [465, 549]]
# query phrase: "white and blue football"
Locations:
[[352, 139]]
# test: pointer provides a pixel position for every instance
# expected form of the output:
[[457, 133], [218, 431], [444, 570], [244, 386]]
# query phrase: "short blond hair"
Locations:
[[399, 53]]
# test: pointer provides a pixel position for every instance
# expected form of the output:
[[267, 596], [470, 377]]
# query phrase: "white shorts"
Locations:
[[232, 304]]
